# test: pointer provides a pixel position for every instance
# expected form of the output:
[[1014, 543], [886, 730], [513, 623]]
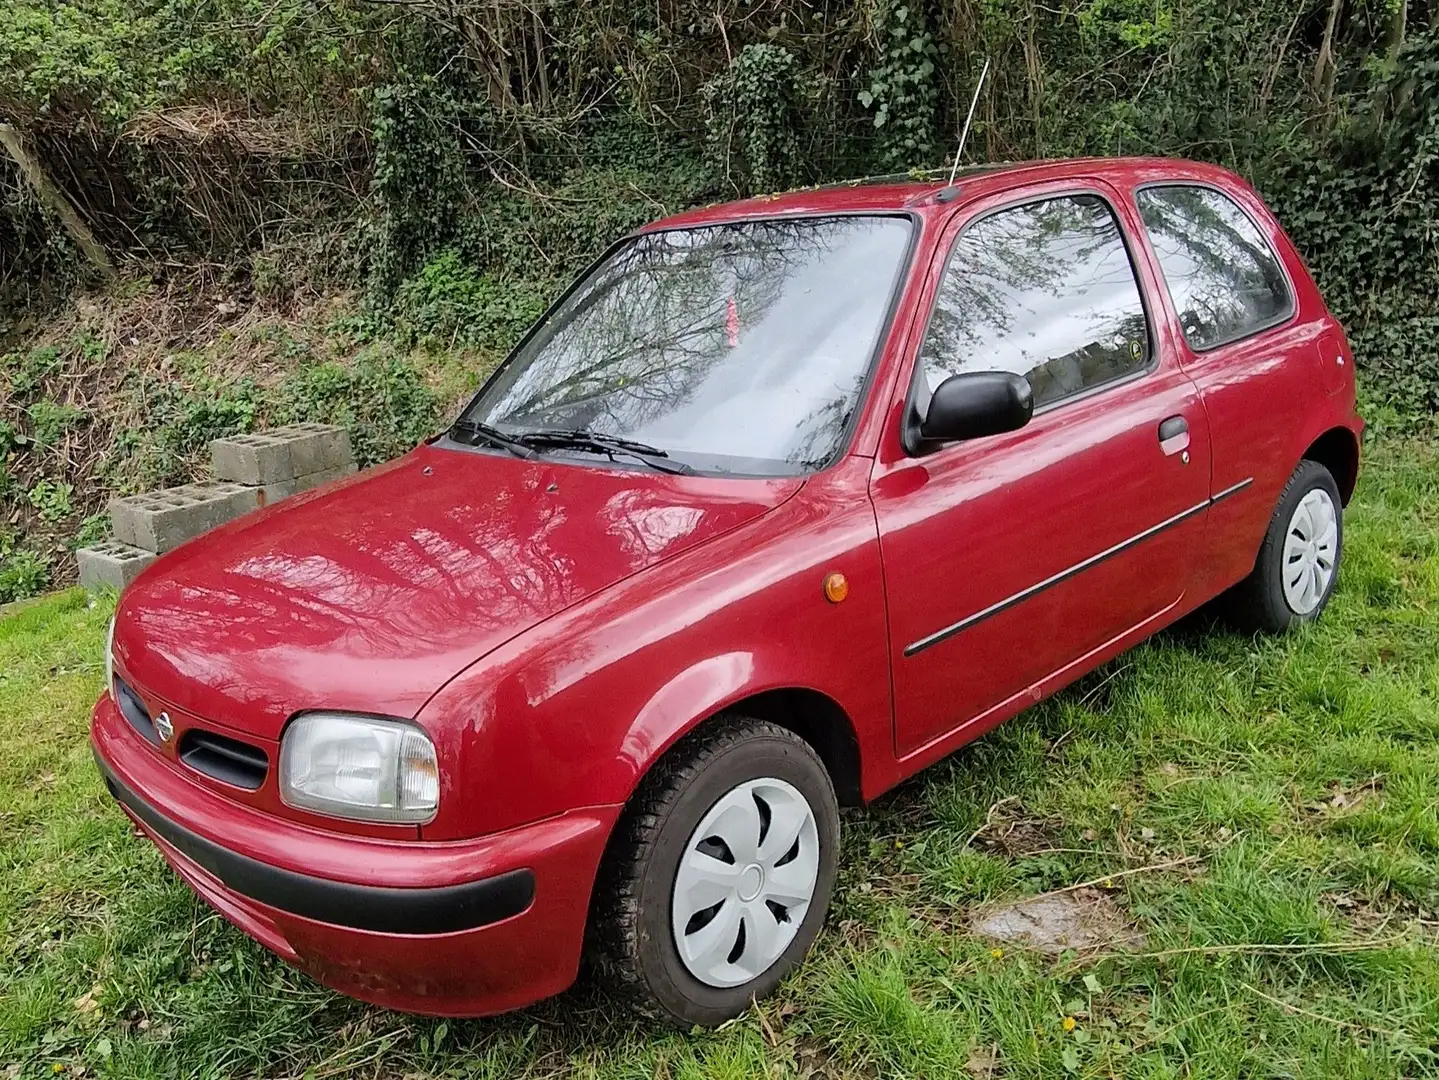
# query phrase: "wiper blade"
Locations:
[[575, 439], [474, 429]]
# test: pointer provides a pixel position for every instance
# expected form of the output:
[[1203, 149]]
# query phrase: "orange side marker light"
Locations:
[[836, 587]]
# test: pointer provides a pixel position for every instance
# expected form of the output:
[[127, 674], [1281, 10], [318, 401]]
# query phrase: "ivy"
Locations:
[[418, 182], [902, 94], [1365, 212], [752, 119]]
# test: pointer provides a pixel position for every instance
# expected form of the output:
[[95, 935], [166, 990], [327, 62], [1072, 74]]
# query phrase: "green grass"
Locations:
[[1298, 777]]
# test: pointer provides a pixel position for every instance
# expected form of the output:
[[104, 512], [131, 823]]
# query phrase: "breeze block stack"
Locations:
[[251, 471]]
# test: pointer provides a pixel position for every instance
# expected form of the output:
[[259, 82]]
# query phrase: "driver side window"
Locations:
[[1045, 290]]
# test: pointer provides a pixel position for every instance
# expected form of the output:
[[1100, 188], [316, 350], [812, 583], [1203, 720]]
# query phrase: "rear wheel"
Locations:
[[1298, 562], [720, 873]]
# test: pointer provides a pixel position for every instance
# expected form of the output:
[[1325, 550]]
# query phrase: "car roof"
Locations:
[[902, 195]]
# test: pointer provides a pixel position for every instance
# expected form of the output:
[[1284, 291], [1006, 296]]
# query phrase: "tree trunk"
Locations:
[[1394, 35], [1324, 63], [55, 199]]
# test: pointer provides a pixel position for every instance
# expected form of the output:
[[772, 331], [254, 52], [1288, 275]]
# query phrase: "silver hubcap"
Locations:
[[1310, 545], [745, 882]]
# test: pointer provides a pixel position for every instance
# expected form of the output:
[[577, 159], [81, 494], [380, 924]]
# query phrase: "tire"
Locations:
[[1262, 601], [732, 765]]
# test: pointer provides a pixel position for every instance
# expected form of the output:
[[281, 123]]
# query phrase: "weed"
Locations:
[[23, 573], [379, 398], [93, 529], [450, 303], [51, 499], [28, 370], [49, 419]]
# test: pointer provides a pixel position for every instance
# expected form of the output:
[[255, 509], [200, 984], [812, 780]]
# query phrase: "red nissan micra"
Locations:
[[781, 502]]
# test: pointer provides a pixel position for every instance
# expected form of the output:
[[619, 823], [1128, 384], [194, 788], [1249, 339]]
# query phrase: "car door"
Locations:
[[1010, 560], [1262, 362]]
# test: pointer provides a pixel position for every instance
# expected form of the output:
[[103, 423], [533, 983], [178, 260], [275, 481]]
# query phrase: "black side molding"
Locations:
[[361, 907], [1079, 567]]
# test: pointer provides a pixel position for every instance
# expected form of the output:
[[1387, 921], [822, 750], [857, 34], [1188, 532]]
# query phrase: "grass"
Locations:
[[1288, 791]]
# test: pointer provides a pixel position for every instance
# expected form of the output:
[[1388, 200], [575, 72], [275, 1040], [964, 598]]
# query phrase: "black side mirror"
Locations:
[[977, 403]]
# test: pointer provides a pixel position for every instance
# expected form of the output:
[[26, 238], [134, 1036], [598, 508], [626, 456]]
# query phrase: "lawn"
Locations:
[[1264, 812]]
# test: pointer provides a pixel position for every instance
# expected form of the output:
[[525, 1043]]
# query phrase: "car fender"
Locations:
[[575, 711]]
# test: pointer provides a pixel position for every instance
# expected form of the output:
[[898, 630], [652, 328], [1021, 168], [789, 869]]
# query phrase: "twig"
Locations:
[[1398, 1035], [1257, 946], [1093, 691], [1180, 1023], [989, 819], [1122, 873]]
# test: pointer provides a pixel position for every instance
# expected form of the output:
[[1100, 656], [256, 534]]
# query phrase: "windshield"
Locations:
[[731, 348]]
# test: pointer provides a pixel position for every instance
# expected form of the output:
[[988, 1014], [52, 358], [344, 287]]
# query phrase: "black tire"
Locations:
[[1258, 602], [632, 944]]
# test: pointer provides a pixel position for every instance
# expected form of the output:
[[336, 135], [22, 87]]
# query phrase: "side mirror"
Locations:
[[977, 403]]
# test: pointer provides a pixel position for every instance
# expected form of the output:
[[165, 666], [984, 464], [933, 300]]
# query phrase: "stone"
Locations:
[[111, 564], [1084, 920]]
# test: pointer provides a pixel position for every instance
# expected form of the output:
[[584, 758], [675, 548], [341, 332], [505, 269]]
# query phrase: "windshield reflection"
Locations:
[[740, 347]]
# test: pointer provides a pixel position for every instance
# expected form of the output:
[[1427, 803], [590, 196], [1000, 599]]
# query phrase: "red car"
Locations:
[[781, 502]]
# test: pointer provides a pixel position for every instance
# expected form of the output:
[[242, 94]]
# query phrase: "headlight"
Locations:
[[359, 767], [110, 657]]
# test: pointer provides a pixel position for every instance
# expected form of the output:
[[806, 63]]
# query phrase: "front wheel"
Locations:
[[720, 873], [1298, 562]]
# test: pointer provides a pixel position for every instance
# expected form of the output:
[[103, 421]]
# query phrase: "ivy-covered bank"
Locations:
[[347, 209]]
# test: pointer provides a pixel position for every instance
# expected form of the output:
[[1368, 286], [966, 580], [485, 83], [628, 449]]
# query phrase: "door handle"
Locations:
[[1174, 435]]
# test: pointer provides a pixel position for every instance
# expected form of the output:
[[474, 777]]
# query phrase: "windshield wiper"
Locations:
[[473, 429], [599, 443]]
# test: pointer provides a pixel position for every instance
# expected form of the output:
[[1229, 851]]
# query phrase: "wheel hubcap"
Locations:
[[1310, 547], [745, 882]]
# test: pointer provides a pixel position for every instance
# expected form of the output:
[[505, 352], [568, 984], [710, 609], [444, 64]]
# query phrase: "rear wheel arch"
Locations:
[[1338, 451]]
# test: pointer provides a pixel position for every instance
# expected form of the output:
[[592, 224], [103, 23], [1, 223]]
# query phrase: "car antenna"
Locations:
[[964, 135]]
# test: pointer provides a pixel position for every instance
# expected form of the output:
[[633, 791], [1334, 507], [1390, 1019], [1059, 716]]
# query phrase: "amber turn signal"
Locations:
[[836, 587]]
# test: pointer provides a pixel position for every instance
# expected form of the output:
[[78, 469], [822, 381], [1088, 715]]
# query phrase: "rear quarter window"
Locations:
[[1224, 278]]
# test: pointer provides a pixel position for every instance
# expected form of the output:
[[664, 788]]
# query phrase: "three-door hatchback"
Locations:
[[781, 502]]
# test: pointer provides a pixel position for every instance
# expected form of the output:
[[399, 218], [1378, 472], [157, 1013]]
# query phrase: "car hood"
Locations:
[[370, 594]]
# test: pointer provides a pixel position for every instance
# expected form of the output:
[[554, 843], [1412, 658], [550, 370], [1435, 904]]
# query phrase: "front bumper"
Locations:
[[465, 928]]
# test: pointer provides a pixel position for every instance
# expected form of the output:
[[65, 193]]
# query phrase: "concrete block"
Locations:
[[280, 454], [268, 494], [165, 519], [319, 448], [111, 564]]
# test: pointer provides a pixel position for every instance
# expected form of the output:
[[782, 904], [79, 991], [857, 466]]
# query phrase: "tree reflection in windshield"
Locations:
[[739, 347]]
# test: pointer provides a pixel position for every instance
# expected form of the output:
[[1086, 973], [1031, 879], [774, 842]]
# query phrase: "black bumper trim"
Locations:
[[384, 909]]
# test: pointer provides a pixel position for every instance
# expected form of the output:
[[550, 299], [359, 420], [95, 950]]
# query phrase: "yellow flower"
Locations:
[[998, 954], [1069, 1023]]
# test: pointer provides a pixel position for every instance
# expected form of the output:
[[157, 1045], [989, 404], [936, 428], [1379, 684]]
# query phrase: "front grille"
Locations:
[[228, 760], [133, 710]]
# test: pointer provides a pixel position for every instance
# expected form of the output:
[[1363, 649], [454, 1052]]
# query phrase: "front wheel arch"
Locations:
[[634, 954], [706, 691]]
